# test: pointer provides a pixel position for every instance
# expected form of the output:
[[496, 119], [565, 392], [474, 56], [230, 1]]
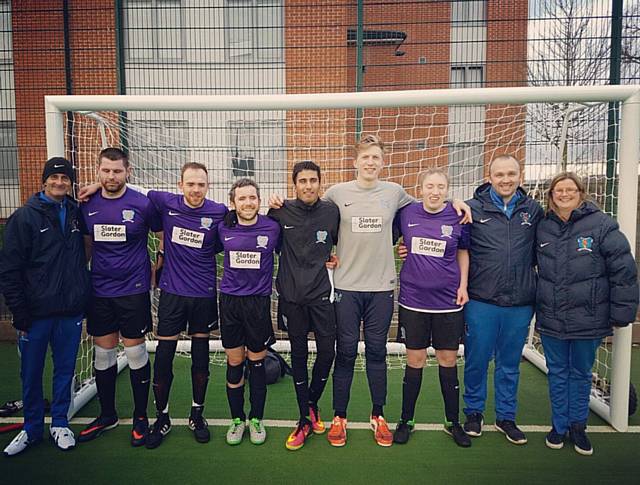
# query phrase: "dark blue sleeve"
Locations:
[[465, 237], [14, 260], [622, 273], [84, 229]]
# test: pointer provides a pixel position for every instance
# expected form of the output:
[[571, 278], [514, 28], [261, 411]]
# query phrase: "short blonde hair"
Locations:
[[368, 141], [433, 171]]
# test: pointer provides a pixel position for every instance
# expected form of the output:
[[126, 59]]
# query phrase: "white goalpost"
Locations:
[[262, 136]]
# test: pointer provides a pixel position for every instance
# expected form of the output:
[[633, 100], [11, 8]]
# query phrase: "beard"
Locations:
[[113, 188]]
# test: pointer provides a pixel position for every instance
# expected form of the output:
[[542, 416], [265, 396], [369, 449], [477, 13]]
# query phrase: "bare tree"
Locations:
[[569, 46], [631, 41]]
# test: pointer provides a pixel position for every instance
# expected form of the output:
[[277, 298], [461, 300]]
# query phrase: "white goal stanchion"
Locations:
[[262, 136]]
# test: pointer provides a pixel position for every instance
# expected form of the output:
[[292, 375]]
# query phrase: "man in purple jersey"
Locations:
[[116, 223], [188, 291], [433, 290], [249, 240]]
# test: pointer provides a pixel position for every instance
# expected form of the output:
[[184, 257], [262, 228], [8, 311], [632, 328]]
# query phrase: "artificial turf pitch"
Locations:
[[429, 457]]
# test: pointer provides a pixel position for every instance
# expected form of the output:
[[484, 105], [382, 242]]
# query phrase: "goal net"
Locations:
[[262, 137]]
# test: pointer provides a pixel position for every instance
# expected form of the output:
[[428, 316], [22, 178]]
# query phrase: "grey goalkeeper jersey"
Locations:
[[365, 238]]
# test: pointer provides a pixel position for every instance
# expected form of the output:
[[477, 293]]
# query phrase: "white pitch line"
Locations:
[[277, 423]]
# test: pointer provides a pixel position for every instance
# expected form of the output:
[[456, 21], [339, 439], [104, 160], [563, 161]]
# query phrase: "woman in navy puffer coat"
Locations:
[[587, 284]]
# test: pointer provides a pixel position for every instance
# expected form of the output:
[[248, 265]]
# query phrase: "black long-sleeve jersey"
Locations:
[[309, 233]]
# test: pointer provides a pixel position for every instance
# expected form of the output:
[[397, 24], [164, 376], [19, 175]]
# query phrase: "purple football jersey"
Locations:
[[248, 257], [190, 237], [119, 230], [430, 275]]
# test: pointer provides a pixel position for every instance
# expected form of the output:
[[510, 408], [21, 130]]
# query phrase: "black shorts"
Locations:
[[246, 321], [419, 330], [299, 320], [130, 315], [191, 313]]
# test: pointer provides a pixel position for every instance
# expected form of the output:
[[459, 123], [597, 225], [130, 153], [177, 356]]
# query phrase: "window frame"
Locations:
[[253, 54], [155, 48]]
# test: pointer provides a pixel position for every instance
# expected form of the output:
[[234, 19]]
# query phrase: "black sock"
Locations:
[[257, 388], [450, 392], [410, 390], [106, 385], [163, 372], [376, 410], [235, 396], [140, 382], [199, 368]]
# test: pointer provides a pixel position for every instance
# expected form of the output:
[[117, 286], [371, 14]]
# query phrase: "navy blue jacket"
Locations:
[[588, 277], [43, 269], [502, 253]]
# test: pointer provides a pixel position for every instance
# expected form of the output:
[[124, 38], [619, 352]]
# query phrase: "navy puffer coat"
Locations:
[[587, 275]]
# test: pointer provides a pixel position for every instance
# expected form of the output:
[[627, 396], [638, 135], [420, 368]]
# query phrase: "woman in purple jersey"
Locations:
[[433, 290]]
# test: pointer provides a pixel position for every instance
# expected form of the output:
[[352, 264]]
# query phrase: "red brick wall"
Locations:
[[316, 61], [39, 68], [416, 137]]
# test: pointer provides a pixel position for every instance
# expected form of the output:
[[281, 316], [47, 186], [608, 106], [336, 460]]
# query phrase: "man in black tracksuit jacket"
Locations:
[[309, 232], [45, 282]]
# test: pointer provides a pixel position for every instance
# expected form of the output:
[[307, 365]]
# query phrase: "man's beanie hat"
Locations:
[[57, 165]]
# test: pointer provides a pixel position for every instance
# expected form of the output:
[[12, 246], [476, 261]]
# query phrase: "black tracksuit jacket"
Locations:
[[309, 233]]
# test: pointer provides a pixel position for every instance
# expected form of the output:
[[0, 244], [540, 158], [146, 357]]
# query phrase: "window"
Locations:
[[153, 30], [256, 149], [253, 30], [6, 45], [8, 152], [469, 12], [466, 134], [466, 169], [467, 76]]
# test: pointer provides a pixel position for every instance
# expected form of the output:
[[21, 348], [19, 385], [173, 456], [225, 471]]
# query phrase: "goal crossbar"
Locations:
[[628, 152]]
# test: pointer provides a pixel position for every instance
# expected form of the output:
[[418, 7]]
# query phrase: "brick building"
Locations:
[[262, 46]]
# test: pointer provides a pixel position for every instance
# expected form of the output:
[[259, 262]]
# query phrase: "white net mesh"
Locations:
[[264, 145]]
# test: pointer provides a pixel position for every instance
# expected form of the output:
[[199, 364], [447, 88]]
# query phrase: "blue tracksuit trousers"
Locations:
[[500, 332], [63, 334], [569, 362]]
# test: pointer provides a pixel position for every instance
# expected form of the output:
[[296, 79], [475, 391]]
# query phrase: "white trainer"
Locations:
[[63, 438], [20, 443]]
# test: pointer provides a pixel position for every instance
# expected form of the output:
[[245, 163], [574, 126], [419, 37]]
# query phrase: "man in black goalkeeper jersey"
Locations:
[[309, 232]]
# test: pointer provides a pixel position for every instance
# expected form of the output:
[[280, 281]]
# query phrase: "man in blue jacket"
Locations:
[[502, 292], [45, 282]]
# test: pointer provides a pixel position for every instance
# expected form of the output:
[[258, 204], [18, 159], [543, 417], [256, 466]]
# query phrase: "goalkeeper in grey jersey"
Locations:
[[364, 281]]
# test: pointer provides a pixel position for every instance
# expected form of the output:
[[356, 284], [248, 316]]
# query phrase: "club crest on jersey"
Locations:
[[585, 243], [128, 215], [524, 216], [205, 223], [447, 231], [262, 241], [321, 237]]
